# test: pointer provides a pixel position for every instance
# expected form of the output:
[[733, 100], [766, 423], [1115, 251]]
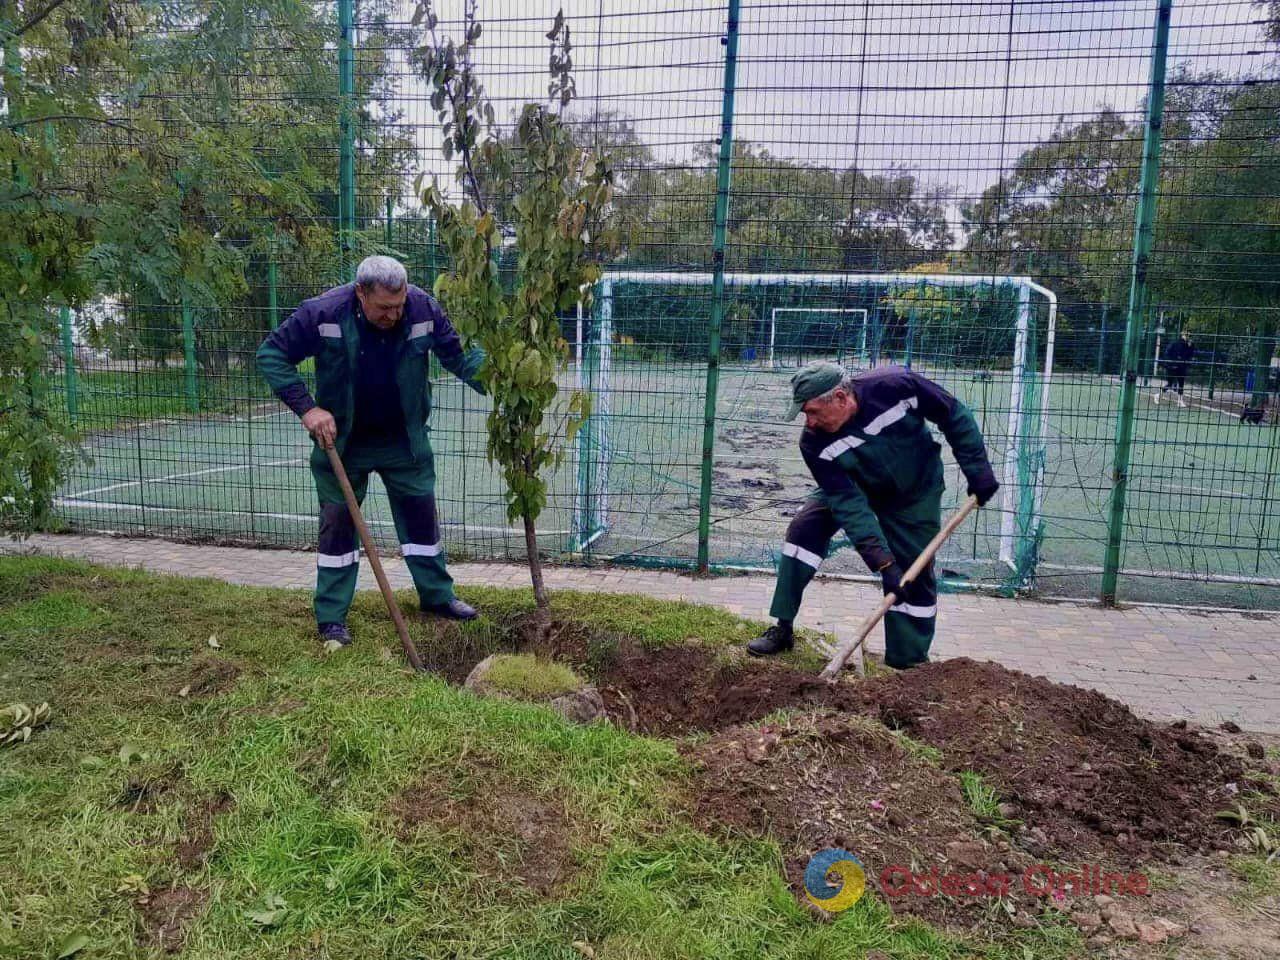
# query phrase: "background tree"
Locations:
[[55, 58], [787, 215]]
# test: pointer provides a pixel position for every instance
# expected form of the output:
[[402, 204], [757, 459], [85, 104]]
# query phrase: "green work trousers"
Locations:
[[910, 623], [411, 489]]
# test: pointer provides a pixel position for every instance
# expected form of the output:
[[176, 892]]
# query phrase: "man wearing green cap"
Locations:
[[879, 475]]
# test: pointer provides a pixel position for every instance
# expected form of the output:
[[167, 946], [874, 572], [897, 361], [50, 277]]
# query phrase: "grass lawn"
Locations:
[[208, 781]]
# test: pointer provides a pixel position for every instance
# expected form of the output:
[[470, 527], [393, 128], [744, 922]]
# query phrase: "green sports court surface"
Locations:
[[1202, 499]]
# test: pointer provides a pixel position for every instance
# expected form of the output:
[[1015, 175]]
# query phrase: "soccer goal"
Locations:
[[847, 326], [643, 355]]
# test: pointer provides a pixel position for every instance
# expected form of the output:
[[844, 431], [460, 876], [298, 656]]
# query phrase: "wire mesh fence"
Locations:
[[953, 187]]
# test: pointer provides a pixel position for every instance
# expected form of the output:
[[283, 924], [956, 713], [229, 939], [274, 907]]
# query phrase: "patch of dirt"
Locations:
[[829, 780], [1078, 767], [679, 690], [1204, 897], [192, 850], [144, 792], [1079, 775], [505, 829], [756, 476], [166, 915], [208, 676]]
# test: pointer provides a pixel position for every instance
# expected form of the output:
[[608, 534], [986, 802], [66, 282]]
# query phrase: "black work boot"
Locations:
[[777, 639]]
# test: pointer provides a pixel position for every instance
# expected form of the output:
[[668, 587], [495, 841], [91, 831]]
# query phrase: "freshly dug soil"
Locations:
[[1080, 775], [680, 690], [1076, 765], [835, 780]]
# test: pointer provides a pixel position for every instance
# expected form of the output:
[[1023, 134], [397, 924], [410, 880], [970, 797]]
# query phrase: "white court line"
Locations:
[[1197, 491], [182, 476], [306, 518]]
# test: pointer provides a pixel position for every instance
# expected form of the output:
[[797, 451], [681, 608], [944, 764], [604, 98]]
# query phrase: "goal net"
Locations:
[[643, 351]]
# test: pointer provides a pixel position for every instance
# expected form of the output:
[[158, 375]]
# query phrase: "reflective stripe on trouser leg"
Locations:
[[909, 624], [337, 560], [337, 564], [419, 532], [808, 539]]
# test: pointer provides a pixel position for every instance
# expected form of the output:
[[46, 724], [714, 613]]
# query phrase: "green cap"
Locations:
[[813, 380]]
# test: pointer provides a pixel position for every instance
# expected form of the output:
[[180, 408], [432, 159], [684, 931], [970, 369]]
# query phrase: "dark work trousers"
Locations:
[[909, 624], [411, 490]]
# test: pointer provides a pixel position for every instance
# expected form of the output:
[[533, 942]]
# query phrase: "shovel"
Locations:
[[371, 551], [846, 649]]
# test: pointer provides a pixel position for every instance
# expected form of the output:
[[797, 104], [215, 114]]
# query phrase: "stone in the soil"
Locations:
[[1088, 921], [1159, 930], [1121, 923], [969, 853], [581, 705], [1255, 750]]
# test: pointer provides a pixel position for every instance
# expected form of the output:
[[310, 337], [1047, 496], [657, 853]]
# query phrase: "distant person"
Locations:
[[1176, 360], [371, 341], [879, 473]]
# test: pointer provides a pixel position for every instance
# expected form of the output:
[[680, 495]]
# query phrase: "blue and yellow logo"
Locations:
[[847, 868]]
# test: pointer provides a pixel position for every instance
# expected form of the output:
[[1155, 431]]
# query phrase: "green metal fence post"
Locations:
[[730, 41], [347, 133], [1142, 242], [1102, 340], [273, 297], [189, 356], [387, 237], [69, 364], [1213, 357]]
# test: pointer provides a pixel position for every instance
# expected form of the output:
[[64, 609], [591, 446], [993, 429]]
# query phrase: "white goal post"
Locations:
[[854, 311], [1019, 428]]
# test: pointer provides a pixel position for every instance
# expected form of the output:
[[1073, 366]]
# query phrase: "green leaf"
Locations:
[[274, 907], [72, 945], [129, 752]]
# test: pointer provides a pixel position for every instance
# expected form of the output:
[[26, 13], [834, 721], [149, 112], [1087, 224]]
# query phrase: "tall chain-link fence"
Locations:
[[1067, 213]]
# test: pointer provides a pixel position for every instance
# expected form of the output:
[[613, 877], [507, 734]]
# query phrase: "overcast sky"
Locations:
[[955, 91]]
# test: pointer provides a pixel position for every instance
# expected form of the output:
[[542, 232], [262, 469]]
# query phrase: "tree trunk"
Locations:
[[535, 564]]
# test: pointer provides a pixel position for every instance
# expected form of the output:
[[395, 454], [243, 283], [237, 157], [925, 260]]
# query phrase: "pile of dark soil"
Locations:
[[1078, 774], [832, 780], [1078, 767]]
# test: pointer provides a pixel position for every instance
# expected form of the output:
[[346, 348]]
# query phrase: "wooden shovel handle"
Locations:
[[846, 649], [371, 551]]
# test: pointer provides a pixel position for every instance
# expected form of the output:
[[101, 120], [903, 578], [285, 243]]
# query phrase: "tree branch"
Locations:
[[27, 121], [36, 18], [453, 102]]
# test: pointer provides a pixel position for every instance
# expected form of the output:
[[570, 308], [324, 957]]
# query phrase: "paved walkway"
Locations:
[[1164, 663]]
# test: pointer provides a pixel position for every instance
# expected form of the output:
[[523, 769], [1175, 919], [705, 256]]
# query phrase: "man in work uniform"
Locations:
[[371, 341], [879, 475]]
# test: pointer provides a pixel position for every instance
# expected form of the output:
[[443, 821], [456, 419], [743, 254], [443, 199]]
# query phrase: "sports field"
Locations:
[[1202, 495]]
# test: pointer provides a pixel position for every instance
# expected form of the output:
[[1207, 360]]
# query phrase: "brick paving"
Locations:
[[1164, 663]]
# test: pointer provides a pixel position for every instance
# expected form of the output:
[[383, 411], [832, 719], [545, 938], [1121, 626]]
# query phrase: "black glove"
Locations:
[[984, 489], [891, 577]]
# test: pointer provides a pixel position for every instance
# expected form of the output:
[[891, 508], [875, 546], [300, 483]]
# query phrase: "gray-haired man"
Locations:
[[371, 341], [879, 473]]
